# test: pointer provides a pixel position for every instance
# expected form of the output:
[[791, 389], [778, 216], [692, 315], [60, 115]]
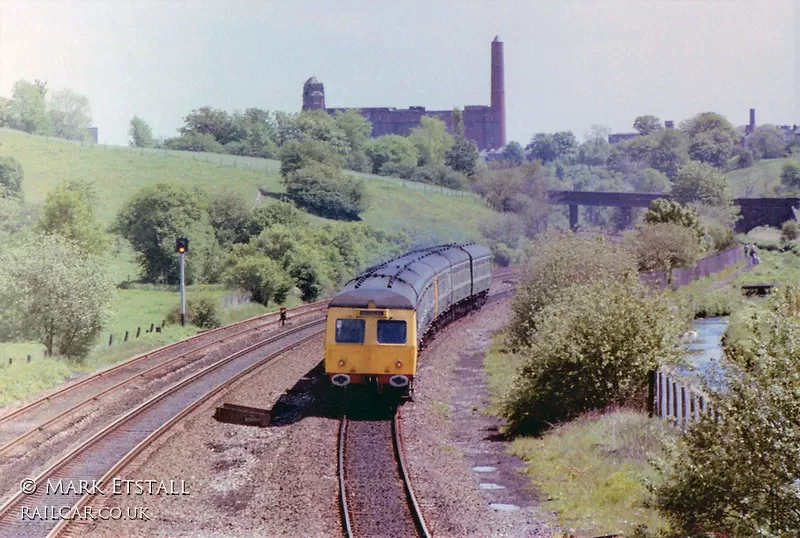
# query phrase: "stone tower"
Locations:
[[498, 103], [313, 95]]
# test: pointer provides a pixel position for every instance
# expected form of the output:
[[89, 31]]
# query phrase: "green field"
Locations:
[[757, 180]]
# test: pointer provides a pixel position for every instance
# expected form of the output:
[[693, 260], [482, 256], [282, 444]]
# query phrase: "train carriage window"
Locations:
[[350, 331], [391, 331]]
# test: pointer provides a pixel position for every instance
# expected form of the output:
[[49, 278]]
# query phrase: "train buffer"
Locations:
[[757, 289], [241, 414]]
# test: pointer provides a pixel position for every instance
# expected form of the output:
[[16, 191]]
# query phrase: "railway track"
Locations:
[[375, 492], [106, 452], [35, 417]]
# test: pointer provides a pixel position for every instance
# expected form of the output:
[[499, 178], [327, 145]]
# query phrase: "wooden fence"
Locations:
[[674, 398], [112, 339], [704, 267]]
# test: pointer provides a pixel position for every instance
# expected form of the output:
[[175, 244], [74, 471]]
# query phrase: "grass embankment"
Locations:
[[757, 180], [591, 471]]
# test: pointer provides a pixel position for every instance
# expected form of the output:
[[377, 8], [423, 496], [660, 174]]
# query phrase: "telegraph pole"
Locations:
[[182, 246]]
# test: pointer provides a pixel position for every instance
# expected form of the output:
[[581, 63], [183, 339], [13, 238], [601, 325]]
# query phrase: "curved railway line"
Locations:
[[43, 412], [106, 452], [375, 493]]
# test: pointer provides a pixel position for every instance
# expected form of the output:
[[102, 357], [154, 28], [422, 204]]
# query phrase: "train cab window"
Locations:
[[391, 331], [350, 331]]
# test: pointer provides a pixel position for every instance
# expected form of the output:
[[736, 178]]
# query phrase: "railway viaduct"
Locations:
[[755, 211]]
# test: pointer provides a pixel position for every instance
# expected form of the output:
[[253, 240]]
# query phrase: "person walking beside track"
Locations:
[[283, 316]]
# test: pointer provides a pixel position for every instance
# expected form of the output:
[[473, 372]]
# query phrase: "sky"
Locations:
[[568, 64]]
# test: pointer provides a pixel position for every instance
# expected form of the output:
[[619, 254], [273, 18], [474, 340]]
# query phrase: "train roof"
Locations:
[[399, 282]]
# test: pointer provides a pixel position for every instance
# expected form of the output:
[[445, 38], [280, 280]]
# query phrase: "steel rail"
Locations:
[[310, 307], [133, 378], [399, 451], [346, 523], [90, 464]]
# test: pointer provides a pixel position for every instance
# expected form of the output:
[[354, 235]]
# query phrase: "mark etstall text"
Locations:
[[118, 486]]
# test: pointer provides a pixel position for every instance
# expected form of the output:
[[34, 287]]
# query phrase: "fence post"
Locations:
[[151, 327], [10, 360], [675, 399], [110, 339], [138, 330], [126, 336], [29, 358], [667, 401], [651, 392]]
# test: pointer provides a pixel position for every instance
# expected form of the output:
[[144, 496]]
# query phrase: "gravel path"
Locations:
[[447, 434], [246, 481]]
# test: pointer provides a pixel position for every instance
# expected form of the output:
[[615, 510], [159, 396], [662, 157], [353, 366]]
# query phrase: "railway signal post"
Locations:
[[182, 246]]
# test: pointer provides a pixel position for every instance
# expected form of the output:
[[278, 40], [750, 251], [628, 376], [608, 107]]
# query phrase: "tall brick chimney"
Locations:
[[752, 126], [499, 89]]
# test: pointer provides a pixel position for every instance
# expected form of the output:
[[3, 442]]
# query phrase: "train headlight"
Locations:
[[398, 364], [341, 362]]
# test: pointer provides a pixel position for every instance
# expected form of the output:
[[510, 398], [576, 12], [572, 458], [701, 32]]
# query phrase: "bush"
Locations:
[[401, 170], [739, 474], [264, 278], [205, 314], [593, 348], [790, 231], [325, 191], [555, 262], [297, 154], [665, 246], [11, 176], [193, 141], [439, 175]]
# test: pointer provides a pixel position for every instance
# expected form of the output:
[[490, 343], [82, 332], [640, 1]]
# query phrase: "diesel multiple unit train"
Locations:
[[379, 321]]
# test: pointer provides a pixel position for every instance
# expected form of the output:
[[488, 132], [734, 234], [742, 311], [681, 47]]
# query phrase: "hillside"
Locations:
[[757, 180], [429, 214]]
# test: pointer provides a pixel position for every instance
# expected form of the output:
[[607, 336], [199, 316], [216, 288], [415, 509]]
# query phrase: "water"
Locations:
[[705, 350]]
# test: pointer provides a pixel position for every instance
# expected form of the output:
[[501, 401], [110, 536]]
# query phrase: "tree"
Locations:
[[790, 174], [68, 211], [766, 142], [325, 191], [140, 133], [669, 211], [70, 114], [458, 122], [651, 180], [463, 156], [194, 141], [711, 138], [665, 246], [514, 153], [229, 215], [297, 154], [646, 125], [255, 133], [393, 149], [53, 293], [356, 131], [158, 214], [209, 121], [700, 182], [28, 109], [670, 152], [321, 126], [596, 149], [431, 140], [278, 212], [264, 278], [556, 261], [550, 147], [11, 176]]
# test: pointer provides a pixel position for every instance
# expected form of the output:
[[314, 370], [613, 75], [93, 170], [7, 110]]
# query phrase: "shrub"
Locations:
[[739, 474], [593, 348], [790, 231], [297, 154], [11, 176], [557, 261], [790, 174], [665, 246], [194, 141], [325, 191], [205, 314], [401, 170], [264, 278]]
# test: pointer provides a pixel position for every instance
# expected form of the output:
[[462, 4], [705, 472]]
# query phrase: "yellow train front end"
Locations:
[[371, 345]]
